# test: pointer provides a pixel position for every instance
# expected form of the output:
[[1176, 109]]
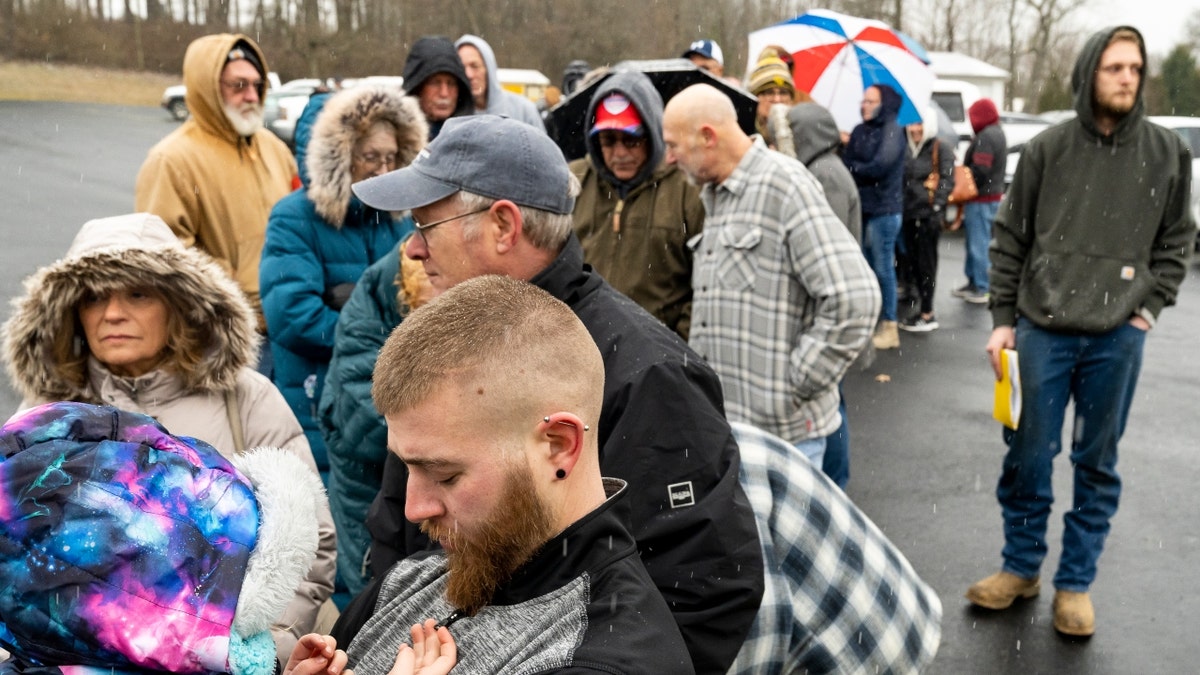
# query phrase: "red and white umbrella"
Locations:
[[838, 56]]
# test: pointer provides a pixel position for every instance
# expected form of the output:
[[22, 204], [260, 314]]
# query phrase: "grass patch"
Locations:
[[40, 81]]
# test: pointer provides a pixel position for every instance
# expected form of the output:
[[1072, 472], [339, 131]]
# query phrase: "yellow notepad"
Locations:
[[1007, 406]]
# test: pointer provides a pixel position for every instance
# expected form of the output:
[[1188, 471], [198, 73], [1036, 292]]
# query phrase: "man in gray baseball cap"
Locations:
[[487, 196], [491, 195]]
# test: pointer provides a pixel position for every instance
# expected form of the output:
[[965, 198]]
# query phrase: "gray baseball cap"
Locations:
[[489, 155]]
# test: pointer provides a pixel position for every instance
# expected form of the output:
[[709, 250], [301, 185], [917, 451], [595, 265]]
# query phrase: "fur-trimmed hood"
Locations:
[[348, 116], [130, 251]]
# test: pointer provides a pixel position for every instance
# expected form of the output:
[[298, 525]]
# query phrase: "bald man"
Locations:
[[783, 298]]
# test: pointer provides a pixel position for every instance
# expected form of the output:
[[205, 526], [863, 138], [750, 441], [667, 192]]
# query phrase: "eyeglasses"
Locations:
[[242, 85], [631, 142], [775, 93], [422, 229], [374, 159]]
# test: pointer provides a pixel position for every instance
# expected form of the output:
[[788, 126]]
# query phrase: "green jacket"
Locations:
[[646, 257], [1095, 228]]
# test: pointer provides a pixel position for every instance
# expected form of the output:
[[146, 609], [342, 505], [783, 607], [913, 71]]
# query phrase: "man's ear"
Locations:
[[565, 434], [708, 135], [506, 217]]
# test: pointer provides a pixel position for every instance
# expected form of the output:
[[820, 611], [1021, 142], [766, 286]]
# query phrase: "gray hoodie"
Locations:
[[636, 87], [499, 100], [816, 141]]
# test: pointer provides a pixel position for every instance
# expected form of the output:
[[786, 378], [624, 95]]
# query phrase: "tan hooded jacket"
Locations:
[[136, 251], [214, 188]]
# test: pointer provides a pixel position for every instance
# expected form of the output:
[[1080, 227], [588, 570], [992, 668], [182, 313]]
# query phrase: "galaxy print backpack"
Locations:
[[124, 549]]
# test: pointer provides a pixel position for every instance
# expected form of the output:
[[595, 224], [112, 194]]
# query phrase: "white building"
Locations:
[[954, 66]]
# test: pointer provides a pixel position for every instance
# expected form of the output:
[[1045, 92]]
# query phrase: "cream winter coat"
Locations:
[[140, 251]]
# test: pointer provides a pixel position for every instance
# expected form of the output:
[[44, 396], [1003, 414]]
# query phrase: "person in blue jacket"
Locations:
[[321, 238], [875, 155], [355, 433]]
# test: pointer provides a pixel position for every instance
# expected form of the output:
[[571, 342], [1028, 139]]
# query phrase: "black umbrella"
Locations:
[[566, 124]]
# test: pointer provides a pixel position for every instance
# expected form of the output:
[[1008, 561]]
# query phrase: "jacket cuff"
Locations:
[[1004, 316], [1147, 315], [1154, 303]]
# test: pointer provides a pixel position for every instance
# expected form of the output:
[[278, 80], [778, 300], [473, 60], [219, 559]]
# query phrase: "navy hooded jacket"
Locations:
[[875, 156]]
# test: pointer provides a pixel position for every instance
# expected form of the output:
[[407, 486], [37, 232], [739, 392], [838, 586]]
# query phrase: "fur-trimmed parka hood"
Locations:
[[348, 116], [123, 252]]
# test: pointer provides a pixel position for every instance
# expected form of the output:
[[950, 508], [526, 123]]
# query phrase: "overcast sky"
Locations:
[[1160, 21]]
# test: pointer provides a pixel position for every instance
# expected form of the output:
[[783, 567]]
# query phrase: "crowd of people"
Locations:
[[588, 415]]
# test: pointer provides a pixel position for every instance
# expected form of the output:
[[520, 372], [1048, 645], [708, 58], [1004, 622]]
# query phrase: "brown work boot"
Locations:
[[1073, 614], [887, 336], [1001, 589]]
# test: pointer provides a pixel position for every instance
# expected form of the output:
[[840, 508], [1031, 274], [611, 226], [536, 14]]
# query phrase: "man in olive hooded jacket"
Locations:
[[1089, 246], [635, 213]]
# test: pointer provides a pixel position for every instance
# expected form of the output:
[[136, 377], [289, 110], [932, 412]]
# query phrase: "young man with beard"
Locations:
[[492, 195], [1090, 245], [492, 394], [215, 178]]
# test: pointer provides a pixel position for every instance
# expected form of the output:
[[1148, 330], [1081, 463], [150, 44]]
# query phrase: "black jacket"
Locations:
[[987, 157], [917, 169], [548, 618], [663, 430], [428, 57]]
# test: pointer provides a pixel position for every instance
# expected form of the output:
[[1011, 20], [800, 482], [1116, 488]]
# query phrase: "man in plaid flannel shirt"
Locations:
[[783, 298], [839, 597]]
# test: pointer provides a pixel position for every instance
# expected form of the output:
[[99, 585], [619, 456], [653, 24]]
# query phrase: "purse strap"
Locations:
[[235, 420]]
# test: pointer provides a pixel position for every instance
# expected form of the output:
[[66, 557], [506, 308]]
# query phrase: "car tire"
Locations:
[[178, 109]]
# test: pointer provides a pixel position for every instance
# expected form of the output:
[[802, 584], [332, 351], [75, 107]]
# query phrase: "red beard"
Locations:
[[482, 558]]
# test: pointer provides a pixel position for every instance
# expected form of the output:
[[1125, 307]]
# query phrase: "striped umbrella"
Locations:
[[838, 56]]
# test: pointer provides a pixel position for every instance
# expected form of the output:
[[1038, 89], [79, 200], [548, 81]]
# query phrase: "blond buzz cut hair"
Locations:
[[513, 349]]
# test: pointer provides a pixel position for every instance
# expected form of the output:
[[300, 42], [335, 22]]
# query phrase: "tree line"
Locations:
[[1035, 40]]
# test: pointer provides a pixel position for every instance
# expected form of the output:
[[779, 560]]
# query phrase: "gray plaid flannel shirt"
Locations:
[[839, 597], [783, 299]]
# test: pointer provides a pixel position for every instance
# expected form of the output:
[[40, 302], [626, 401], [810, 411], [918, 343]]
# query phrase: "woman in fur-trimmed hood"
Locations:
[[132, 319], [321, 238]]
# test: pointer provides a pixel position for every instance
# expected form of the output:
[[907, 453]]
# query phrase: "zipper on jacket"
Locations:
[[449, 620], [617, 216]]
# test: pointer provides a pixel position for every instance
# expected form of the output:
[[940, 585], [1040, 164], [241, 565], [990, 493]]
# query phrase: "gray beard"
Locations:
[[244, 126]]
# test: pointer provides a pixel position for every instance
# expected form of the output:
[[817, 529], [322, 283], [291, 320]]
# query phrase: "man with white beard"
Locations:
[[216, 177]]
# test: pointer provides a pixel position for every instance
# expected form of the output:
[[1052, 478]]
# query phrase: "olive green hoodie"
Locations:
[[1095, 227], [635, 232]]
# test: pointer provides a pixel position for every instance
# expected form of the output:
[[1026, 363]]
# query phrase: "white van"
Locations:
[[956, 97]]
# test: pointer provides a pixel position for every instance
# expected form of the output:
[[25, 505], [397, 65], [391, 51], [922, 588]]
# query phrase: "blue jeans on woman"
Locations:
[[1099, 371], [879, 244], [977, 221]]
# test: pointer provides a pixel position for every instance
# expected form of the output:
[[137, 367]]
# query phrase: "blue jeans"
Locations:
[[813, 449], [977, 221], [1098, 371], [836, 463], [879, 244]]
